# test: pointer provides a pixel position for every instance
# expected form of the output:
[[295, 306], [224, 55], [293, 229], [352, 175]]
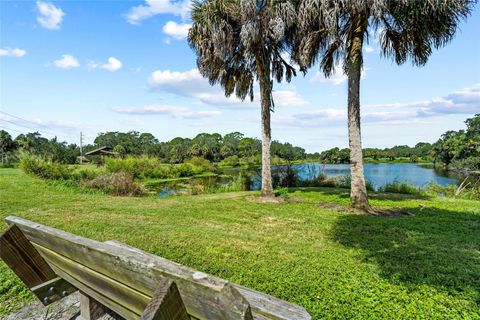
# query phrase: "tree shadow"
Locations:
[[345, 193], [438, 248]]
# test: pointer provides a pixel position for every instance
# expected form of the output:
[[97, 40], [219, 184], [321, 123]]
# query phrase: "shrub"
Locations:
[[85, 174], [231, 161], [201, 164], [401, 187], [468, 189], [119, 184], [238, 183], [138, 167], [346, 182], [285, 176], [45, 169], [145, 167]]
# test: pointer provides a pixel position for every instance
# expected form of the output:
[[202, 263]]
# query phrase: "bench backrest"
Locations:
[[124, 278]]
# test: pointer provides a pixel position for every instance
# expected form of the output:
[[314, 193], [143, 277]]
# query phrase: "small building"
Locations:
[[102, 152]]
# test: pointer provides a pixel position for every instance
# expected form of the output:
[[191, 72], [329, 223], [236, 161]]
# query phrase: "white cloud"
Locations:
[[191, 84], [465, 101], [66, 62], [185, 83], [287, 98], [369, 49], [153, 7], [337, 78], [176, 30], [9, 52], [113, 64], [174, 111], [49, 16]]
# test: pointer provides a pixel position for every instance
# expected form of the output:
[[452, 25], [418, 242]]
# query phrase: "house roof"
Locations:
[[102, 150]]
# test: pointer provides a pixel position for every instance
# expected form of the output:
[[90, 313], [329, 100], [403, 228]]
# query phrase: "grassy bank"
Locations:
[[335, 264]]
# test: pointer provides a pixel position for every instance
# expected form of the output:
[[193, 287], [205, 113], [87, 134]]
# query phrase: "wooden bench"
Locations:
[[112, 276]]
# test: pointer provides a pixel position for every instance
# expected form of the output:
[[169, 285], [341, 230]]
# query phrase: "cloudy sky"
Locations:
[[95, 66]]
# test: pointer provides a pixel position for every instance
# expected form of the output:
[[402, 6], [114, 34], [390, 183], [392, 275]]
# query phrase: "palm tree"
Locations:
[[335, 31], [238, 42]]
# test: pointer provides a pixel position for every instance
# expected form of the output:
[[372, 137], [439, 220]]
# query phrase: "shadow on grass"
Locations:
[[345, 193], [438, 248]]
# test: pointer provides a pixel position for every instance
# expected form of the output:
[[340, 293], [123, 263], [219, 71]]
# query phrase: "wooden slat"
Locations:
[[90, 309], [116, 291], [23, 259], [205, 296], [104, 300], [166, 303], [263, 306]]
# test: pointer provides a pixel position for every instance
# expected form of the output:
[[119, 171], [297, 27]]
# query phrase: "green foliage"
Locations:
[[401, 187], [397, 154], [231, 161], [146, 167], [460, 150], [468, 189], [200, 165], [120, 150], [118, 184], [45, 169], [345, 182]]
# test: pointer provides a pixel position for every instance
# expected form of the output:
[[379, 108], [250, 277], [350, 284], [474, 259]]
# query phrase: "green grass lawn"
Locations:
[[336, 264]]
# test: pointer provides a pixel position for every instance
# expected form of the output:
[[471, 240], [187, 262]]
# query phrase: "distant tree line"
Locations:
[[213, 147], [454, 150], [457, 150], [421, 152]]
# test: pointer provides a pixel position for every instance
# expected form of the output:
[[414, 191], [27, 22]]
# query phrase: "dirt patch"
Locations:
[[332, 206], [259, 199], [380, 212]]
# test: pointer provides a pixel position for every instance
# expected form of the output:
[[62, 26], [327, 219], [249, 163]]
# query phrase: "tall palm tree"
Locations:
[[335, 31], [238, 42]]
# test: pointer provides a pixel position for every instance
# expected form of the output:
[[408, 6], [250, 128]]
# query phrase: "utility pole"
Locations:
[[81, 147]]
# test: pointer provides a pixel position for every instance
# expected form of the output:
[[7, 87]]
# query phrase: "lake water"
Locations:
[[378, 174], [383, 173]]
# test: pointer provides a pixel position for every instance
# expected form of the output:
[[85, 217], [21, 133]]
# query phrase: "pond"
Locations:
[[377, 174]]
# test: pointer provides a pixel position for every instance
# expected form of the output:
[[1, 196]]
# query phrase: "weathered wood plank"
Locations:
[[263, 306], [90, 309], [104, 300], [23, 259], [123, 295], [204, 295], [166, 303]]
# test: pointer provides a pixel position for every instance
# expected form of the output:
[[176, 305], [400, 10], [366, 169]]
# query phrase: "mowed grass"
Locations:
[[335, 264]]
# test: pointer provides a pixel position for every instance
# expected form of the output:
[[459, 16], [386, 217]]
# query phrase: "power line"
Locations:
[[36, 124], [11, 129], [36, 129]]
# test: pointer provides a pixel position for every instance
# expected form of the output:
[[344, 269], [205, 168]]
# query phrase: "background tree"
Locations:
[[237, 42], [6, 145], [335, 31]]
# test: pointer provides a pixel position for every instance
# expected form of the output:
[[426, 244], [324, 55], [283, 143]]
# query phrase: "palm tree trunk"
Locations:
[[263, 70], [358, 191]]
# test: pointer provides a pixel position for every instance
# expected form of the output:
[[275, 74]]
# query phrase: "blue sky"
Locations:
[[96, 66]]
